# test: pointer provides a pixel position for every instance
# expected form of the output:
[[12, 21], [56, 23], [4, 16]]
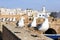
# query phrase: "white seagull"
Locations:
[[21, 22], [10, 19], [3, 19], [33, 24], [44, 26], [7, 19], [14, 19]]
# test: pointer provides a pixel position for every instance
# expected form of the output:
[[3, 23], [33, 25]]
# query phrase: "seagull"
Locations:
[[21, 22], [10, 19], [7, 19], [33, 24], [44, 26], [14, 19], [3, 19]]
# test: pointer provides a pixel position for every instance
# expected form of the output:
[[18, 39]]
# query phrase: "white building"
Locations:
[[12, 12], [19, 11], [2, 11], [7, 11], [29, 12]]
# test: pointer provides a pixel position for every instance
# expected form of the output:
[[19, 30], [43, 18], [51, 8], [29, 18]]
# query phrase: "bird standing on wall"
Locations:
[[21, 22], [33, 24], [44, 26], [3, 19], [14, 19], [7, 19], [10, 19]]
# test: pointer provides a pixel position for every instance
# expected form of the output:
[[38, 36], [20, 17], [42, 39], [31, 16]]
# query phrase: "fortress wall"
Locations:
[[8, 35]]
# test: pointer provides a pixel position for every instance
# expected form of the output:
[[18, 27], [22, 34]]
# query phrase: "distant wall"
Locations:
[[8, 35], [55, 14]]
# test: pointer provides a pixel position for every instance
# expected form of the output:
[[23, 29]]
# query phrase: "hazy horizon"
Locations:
[[51, 5]]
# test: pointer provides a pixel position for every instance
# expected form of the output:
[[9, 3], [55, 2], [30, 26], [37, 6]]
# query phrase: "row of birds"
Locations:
[[42, 27], [7, 19]]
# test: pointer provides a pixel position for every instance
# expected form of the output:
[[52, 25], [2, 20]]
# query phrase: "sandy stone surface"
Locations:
[[26, 33]]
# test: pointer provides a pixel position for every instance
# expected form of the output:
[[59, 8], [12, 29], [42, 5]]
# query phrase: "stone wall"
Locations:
[[8, 35]]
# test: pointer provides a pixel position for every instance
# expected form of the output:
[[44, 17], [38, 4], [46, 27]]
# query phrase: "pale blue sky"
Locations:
[[51, 5]]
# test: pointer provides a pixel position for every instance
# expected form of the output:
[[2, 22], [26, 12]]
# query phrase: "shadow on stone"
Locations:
[[51, 31], [0, 35]]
